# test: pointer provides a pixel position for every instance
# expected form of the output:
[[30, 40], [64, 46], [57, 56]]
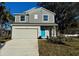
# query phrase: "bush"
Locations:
[[70, 39], [56, 40]]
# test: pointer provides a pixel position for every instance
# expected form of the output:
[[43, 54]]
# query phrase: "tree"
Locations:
[[5, 15], [65, 13]]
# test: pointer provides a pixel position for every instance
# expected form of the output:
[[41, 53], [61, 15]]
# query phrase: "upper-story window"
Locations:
[[22, 18], [35, 16], [45, 17]]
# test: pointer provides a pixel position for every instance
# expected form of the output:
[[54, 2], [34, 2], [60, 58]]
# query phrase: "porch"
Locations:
[[47, 31]]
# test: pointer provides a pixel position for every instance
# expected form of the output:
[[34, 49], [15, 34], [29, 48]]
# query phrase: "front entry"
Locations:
[[42, 32]]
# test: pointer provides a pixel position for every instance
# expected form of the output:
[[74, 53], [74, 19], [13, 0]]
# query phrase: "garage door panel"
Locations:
[[25, 33]]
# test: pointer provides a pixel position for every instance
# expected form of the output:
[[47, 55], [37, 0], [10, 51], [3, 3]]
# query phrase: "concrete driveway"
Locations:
[[20, 47]]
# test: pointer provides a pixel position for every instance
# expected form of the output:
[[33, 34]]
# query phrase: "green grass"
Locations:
[[49, 49]]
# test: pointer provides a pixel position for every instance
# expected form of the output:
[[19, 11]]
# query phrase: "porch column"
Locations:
[[50, 32], [39, 32], [54, 31]]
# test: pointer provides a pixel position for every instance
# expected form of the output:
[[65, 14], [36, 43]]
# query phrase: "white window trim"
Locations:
[[16, 18], [43, 18], [22, 21], [35, 16]]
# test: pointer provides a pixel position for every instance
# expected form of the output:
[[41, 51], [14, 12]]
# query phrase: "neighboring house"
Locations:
[[34, 23], [7, 26]]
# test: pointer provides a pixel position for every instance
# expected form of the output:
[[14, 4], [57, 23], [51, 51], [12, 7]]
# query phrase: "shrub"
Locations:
[[69, 39], [56, 40]]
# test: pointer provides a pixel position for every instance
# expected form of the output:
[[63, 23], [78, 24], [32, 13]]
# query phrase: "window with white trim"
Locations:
[[45, 17], [35, 16], [22, 18]]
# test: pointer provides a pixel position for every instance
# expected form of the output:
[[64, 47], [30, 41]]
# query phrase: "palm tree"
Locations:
[[2, 9], [4, 16]]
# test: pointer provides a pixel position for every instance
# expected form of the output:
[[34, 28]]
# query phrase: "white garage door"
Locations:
[[25, 33]]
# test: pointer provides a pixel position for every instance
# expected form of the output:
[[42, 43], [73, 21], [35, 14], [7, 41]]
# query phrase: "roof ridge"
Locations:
[[30, 9], [47, 10]]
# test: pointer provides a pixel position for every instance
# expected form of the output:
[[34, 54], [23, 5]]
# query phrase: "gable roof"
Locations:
[[30, 10], [39, 8], [34, 8], [47, 10]]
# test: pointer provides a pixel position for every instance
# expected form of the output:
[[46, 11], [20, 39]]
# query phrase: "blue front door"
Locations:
[[42, 32]]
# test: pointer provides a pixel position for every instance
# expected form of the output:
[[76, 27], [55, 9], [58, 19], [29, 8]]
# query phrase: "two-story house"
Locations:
[[34, 23]]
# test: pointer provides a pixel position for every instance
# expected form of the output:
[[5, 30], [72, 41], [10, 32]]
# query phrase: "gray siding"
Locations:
[[18, 18], [40, 12]]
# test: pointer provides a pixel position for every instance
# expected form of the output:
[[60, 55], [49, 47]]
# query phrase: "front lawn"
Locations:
[[50, 49]]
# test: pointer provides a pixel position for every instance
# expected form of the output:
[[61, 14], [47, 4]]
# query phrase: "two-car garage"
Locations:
[[24, 41], [25, 32]]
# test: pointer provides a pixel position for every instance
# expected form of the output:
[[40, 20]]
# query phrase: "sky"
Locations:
[[19, 7]]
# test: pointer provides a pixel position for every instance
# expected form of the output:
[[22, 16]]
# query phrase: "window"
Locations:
[[35, 16], [45, 17], [22, 18]]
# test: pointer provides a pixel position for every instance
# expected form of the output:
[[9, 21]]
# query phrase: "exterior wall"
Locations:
[[40, 12], [18, 19]]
